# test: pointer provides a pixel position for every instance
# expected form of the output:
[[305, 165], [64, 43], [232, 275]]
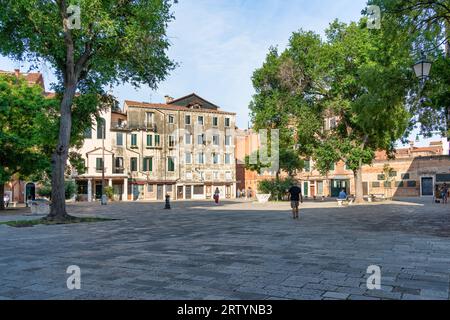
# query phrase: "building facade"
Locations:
[[184, 148], [414, 172]]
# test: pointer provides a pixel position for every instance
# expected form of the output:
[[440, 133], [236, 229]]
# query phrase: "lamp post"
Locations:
[[422, 70]]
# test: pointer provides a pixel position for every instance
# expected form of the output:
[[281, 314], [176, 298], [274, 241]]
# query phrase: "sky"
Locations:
[[219, 43]]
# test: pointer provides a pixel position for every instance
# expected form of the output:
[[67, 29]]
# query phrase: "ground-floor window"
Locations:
[[198, 190]]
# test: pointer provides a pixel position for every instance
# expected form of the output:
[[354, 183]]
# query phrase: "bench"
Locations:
[[374, 197], [12, 204], [345, 202]]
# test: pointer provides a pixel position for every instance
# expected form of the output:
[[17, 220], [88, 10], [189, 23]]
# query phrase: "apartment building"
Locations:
[[184, 148]]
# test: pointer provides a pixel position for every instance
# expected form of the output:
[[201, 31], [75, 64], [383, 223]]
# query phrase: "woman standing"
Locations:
[[216, 196]]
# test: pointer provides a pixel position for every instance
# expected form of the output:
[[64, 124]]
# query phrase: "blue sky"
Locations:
[[219, 43]]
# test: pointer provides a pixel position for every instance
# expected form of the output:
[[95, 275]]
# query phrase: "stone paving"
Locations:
[[237, 250]]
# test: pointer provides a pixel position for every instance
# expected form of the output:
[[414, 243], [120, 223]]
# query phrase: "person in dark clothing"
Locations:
[[295, 196]]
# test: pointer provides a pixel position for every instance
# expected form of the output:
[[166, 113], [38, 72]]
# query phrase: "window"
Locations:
[[332, 123], [201, 158], [149, 188], [171, 119], [169, 188], [133, 164], [307, 165], [187, 138], [200, 120], [412, 184], [216, 138], [134, 140], [187, 120], [198, 190], [99, 164], [215, 158], [157, 140], [189, 175], [101, 128], [171, 141], [170, 164], [201, 139], [228, 175], [405, 176], [216, 175], [119, 138], [188, 158], [227, 158], [228, 140], [88, 133], [375, 184], [387, 184], [119, 162], [381, 177], [393, 174], [227, 122], [149, 140], [148, 164], [215, 121], [149, 118], [399, 184]]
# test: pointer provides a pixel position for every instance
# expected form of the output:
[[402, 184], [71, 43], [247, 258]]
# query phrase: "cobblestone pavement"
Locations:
[[237, 250]]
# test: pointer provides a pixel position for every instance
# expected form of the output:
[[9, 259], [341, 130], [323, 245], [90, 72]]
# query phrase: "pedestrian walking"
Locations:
[[444, 193], [295, 196], [216, 196]]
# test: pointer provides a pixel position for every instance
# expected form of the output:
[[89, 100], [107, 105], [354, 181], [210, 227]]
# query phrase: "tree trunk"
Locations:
[[359, 190], [2, 195], [59, 158]]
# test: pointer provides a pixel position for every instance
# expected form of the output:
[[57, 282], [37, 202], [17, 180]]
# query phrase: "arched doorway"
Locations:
[[30, 192]]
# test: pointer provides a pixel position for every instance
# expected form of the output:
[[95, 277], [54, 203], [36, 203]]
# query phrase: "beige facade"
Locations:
[[415, 172], [184, 148]]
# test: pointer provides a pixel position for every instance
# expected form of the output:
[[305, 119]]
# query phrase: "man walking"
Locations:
[[295, 196], [444, 194]]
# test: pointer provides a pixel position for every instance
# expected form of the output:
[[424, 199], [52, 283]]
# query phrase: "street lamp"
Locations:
[[422, 69]]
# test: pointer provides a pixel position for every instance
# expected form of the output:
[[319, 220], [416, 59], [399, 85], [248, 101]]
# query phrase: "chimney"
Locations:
[[168, 98], [17, 72]]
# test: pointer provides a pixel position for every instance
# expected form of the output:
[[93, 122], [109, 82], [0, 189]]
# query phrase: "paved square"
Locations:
[[237, 250]]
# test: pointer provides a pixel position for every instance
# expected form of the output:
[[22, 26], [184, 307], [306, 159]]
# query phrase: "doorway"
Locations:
[[306, 188], [338, 185], [188, 192], [426, 187], [160, 192], [30, 192], [180, 193]]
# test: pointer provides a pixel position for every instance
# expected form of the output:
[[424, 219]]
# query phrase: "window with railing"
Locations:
[[99, 164]]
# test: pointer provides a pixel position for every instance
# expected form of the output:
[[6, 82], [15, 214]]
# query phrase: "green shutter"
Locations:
[[144, 165], [157, 140], [149, 140], [150, 162], [133, 139]]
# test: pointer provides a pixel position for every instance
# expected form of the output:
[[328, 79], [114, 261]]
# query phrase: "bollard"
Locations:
[[167, 202]]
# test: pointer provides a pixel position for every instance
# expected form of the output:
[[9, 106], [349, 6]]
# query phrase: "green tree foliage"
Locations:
[[427, 25], [119, 41], [277, 187], [21, 152], [354, 76]]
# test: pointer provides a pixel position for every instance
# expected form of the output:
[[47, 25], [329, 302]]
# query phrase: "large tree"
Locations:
[[118, 41], [352, 75], [427, 24]]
